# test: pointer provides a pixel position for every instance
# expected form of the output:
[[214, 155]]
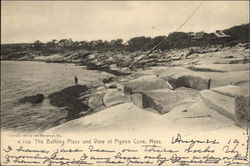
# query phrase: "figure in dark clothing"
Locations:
[[209, 83], [76, 81]]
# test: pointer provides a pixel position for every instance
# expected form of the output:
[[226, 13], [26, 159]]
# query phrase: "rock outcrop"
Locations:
[[70, 98], [33, 99], [242, 111]]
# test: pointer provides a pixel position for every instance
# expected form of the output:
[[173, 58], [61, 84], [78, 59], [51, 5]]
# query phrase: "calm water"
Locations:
[[19, 79]]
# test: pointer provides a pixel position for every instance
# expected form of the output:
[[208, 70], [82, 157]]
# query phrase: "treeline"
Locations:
[[173, 40], [239, 33]]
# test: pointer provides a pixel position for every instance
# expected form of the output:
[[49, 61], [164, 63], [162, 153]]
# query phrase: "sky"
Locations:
[[27, 21]]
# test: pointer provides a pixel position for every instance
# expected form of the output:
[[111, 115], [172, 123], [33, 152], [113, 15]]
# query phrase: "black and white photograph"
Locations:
[[173, 71]]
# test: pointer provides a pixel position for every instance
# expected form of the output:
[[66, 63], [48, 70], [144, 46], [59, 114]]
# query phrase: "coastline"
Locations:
[[150, 89], [151, 86]]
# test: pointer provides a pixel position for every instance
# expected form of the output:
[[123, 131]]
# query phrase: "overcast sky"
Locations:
[[28, 21]]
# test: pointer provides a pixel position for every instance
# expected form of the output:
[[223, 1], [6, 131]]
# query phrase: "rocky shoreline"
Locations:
[[161, 82]]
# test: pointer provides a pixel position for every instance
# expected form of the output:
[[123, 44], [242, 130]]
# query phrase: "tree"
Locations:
[[139, 43], [179, 39], [37, 44]]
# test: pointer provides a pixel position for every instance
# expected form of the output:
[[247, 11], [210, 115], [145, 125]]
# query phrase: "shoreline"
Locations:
[[106, 69], [153, 88]]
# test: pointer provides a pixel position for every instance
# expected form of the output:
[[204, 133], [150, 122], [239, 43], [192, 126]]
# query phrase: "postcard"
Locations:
[[125, 83]]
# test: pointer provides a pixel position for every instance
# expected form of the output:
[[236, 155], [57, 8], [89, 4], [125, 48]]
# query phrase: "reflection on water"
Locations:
[[19, 79]]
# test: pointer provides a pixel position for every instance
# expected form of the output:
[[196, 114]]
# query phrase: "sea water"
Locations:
[[26, 78]]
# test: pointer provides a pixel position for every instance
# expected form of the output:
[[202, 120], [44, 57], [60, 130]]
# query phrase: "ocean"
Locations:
[[26, 78]]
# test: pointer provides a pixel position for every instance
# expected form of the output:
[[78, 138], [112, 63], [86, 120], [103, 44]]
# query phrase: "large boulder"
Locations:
[[189, 82], [145, 83], [33, 99]]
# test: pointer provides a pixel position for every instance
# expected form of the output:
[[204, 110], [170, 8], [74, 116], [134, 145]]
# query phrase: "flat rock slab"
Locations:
[[114, 96], [218, 78], [225, 67], [221, 103], [164, 100], [232, 90], [198, 116], [120, 117]]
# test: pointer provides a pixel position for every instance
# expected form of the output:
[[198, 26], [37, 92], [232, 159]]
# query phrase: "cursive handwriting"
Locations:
[[21, 149], [92, 149], [159, 149], [179, 151], [179, 139]]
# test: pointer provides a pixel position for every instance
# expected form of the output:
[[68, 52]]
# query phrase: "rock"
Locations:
[[189, 82], [77, 109], [148, 101], [66, 96], [91, 56], [33, 99], [240, 60], [177, 57], [109, 82], [113, 97], [96, 100], [145, 83], [199, 69], [137, 99], [164, 100], [126, 70], [122, 117], [100, 108], [244, 60], [113, 66], [245, 45], [232, 90], [111, 86], [229, 56], [136, 64], [70, 98], [225, 105], [242, 111], [189, 53]]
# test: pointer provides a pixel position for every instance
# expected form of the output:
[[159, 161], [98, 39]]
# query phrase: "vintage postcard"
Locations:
[[125, 83]]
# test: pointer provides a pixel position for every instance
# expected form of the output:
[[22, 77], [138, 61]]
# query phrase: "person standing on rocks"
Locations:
[[76, 81]]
